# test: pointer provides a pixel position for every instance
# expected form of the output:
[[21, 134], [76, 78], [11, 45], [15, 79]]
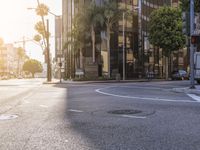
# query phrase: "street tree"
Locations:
[[111, 16], [165, 31], [33, 66], [94, 17], [80, 33]]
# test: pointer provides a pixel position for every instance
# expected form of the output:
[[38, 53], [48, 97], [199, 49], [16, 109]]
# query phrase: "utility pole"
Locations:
[[49, 77], [124, 71], [48, 54], [191, 45]]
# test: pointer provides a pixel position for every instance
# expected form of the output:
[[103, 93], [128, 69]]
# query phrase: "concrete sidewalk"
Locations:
[[56, 81]]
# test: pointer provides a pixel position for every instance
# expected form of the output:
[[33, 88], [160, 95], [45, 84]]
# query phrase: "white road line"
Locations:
[[144, 98], [130, 116], [195, 97], [73, 110], [44, 106]]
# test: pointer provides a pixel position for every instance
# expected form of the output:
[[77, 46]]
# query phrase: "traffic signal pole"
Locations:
[[192, 86]]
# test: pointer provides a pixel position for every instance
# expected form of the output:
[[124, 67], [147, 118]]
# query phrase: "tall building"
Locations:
[[70, 8], [140, 56], [10, 63], [58, 47]]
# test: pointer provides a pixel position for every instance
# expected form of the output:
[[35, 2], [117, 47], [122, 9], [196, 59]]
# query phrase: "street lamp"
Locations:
[[124, 71], [191, 44]]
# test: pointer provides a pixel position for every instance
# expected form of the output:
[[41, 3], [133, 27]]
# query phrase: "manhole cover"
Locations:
[[7, 117], [125, 112]]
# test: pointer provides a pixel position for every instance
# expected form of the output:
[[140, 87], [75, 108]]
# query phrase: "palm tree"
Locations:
[[111, 16], [94, 18]]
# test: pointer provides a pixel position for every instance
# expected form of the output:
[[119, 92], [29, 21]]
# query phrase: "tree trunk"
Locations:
[[93, 43], [81, 58], [166, 67], [108, 49]]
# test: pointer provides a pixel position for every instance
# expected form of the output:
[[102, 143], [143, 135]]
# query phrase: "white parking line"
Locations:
[[130, 116], [195, 97], [73, 110], [143, 98], [44, 106]]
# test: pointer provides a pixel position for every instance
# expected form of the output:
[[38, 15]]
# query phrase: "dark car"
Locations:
[[179, 75]]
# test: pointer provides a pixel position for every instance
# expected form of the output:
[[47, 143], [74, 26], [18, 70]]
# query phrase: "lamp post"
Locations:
[[124, 61], [191, 45]]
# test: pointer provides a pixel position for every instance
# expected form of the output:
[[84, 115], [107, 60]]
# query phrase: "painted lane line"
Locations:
[[44, 106], [144, 98], [130, 116], [73, 110], [195, 97]]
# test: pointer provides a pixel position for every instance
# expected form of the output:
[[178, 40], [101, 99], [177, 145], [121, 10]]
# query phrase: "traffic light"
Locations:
[[186, 23], [195, 39]]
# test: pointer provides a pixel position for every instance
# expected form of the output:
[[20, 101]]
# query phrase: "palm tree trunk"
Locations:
[[93, 43], [166, 67], [108, 49], [81, 58]]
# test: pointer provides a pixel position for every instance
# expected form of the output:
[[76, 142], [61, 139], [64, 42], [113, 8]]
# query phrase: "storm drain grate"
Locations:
[[125, 112], [7, 117]]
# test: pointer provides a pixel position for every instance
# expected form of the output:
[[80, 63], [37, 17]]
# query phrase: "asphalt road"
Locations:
[[98, 116]]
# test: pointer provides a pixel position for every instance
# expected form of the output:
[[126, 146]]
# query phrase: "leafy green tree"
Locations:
[[79, 34], [165, 31], [111, 16], [33, 66]]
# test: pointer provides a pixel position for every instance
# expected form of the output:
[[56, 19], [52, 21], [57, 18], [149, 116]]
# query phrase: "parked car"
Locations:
[[179, 75]]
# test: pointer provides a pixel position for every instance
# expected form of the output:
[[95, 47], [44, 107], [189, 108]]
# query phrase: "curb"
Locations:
[[103, 81], [186, 90]]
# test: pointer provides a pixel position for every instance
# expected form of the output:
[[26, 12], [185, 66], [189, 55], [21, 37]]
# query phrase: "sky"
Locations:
[[18, 22]]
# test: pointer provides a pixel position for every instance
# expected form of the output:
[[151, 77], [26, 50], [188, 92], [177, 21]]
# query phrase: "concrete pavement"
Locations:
[[186, 90]]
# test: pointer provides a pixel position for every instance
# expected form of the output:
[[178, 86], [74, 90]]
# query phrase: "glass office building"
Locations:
[[140, 56], [151, 58]]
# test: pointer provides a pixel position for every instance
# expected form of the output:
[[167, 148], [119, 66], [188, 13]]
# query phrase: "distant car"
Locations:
[[179, 75]]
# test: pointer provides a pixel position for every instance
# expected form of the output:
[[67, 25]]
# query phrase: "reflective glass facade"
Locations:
[[151, 58]]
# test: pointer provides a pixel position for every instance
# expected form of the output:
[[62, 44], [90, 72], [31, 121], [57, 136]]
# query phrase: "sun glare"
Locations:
[[12, 15]]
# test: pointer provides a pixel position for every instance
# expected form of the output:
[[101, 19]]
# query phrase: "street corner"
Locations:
[[187, 90]]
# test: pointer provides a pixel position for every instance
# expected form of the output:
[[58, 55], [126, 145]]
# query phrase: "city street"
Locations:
[[98, 116]]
